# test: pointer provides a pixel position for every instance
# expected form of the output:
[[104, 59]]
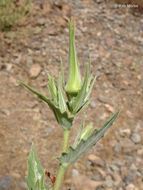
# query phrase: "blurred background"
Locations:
[[33, 37]]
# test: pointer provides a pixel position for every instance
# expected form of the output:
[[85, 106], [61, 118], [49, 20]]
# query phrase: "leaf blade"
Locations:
[[36, 174], [74, 154]]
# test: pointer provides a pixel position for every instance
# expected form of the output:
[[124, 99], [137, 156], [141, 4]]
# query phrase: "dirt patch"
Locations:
[[114, 42]]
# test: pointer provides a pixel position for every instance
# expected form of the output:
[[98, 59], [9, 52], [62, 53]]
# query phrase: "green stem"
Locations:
[[59, 177], [62, 169], [65, 140]]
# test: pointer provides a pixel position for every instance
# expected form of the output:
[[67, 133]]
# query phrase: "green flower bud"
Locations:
[[86, 133], [74, 79]]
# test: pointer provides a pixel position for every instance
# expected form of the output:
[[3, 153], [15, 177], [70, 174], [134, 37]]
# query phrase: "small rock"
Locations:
[[29, 60], [96, 160], [117, 147], [96, 176], [114, 167], [41, 21], [84, 183], [35, 70], [131, 187], [6, 183], [130, 177], [109, 108], [75, 172], [101, 172], [5, 112], [140, 151], [117, 179], [92, 104], [125, 132], [99, 1], [23, 185], [136, 138], [9, 67], [127, 145], [108, 181], [133, 167]]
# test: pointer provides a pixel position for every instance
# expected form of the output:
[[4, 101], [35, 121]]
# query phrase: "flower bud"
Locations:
[[74, 79]]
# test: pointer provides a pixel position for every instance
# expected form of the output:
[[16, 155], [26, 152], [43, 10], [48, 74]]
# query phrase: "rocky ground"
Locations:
[[113, 37]]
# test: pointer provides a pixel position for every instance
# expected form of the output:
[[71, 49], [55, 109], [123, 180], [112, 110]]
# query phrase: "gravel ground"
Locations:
[[113, 38]]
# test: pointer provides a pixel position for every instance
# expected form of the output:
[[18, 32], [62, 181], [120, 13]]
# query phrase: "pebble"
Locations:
[[35, 70], [127, 145], [131, 187], [117, 179], [23, 185], [108, 181], [84, 183], [96, 176], [125, 132], [6, 183], [96, 160], [117, 147], [5, 112], [29, 60], [136, 138], [41, 21], [109, 108], [75, 172], [92, 104], [140, 151], [114, 167]]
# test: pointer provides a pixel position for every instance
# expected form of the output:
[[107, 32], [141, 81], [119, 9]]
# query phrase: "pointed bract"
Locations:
[[61, 99], [53, 89]]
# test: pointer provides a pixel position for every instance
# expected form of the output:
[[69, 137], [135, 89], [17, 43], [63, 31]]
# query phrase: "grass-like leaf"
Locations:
[[53, 89], [61, 99], [72, 155], [78, 137]]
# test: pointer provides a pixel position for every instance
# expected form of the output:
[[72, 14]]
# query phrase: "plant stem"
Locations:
[[62, 169], [65, 140], [59, 177]]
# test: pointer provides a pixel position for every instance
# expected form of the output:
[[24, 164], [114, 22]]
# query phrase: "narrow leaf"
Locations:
[[78, 137], [53, 89], [80, 99], [74, 154], [90, 86], [61, 100], [42, 97]]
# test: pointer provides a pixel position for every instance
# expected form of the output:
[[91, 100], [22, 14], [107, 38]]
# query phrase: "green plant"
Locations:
[[12, 13], [65, 110]]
